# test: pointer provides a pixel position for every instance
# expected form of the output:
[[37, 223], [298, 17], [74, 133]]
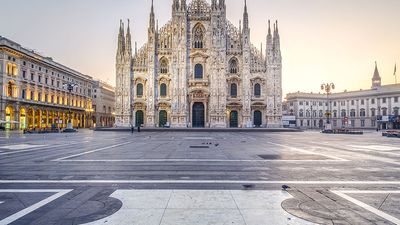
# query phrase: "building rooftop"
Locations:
[[5, 42], [385, 89]]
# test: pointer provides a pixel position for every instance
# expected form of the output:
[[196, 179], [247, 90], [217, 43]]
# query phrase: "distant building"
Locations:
[[103, 104], [374, 108], [34, 94]]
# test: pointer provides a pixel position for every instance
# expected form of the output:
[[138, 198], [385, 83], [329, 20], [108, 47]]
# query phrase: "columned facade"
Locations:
[[33, 93]]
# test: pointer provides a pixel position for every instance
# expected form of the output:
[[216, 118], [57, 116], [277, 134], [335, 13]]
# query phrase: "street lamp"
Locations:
[[70, 87], [328, 87]]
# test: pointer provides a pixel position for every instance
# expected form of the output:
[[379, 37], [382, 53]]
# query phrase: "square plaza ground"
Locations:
[[199, 178]]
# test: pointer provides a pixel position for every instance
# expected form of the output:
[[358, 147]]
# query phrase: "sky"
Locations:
[[321, 40]]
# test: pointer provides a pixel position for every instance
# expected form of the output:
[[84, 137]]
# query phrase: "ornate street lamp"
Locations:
[[328, 87], [70, 87]]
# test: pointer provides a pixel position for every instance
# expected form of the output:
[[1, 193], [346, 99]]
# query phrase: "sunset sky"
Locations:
[[322, 40]]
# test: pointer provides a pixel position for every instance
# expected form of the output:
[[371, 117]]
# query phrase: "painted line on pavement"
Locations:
[[197, 160], [32, 208], [366, 206], [308, 152], [192, 182], [1, 202], [44, 148], [92, 151]]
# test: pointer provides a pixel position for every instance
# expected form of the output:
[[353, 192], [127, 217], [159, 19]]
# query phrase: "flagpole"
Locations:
[[395, 73]]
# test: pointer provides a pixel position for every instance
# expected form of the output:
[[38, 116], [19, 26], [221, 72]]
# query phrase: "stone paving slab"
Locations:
[[200, 207]]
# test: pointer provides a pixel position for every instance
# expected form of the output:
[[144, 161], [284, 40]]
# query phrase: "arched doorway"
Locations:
[[31, 119], [257, 118], [44, 119], [198, 115], [9, 116], [139, 118], [38, 121], [22, 118], [233, 119], [163, 118]]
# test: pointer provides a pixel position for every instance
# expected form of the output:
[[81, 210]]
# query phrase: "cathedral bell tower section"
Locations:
[[123, 77], [152, 88], [246, 112], [274, 79], [218, 91], [180, 65]]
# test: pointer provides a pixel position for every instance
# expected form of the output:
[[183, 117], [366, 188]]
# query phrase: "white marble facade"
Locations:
[[199, 70]]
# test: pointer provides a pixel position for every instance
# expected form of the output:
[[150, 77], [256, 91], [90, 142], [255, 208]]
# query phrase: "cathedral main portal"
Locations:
[[198, 115]]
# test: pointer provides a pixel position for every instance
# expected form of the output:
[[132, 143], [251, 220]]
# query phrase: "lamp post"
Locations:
[[328, 87], [70, 87]]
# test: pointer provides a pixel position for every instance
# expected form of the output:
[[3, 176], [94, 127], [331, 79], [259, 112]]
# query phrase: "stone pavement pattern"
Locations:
[[176, 178]]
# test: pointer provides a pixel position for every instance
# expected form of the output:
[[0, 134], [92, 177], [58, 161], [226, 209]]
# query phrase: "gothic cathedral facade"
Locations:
[[199, 70]]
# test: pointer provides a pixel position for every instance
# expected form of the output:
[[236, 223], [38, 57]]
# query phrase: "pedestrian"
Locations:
[[132, 128], [138, 129]]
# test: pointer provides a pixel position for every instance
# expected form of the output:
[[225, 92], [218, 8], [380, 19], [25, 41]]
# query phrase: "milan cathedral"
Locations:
[[199, 70]]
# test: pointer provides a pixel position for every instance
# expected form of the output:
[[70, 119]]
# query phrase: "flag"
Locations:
[[395, 68]]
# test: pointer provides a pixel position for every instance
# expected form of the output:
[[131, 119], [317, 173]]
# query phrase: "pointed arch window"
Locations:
[[164, 66], [233, 66], [163, 90], [257, 90], [139, 90], [233, 90], [198, 71], [198, 36]]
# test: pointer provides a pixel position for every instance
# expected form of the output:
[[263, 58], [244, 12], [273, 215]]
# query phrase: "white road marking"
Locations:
[[21, 146], [32, 208], [198, 138], [371, 157], [1, 202], [307, 152], [366, 206], [376, 147], [44, 148], [194, 182], [196, 160], [92, 151]]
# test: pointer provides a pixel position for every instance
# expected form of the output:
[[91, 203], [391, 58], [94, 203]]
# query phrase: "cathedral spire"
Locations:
[[135, 48], [152, 19], [128, 40], [277, 39], [121, 39], [245, 17], [269, 28]]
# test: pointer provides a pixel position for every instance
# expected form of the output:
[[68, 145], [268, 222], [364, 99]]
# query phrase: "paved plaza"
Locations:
[[198, 178]]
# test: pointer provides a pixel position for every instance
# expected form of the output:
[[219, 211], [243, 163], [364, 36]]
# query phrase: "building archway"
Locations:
[[22, 119], [38, 121], [9, 117], [163, 118], [233, 119], [257, 118], [31, 118], [139, 118], [198, 115]]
